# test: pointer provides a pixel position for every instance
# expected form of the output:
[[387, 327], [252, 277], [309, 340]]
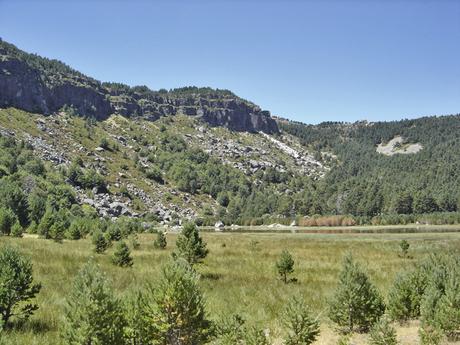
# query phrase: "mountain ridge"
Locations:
[[217, 166], [36, 84]]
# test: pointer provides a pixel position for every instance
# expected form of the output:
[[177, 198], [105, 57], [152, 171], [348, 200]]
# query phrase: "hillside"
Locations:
[[208, 155], [37, 84]]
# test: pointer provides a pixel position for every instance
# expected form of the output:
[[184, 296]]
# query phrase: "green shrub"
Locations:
[[135, 241], [190, 245], [177, 307], [404, 245], [7, 220], [383, 333], [154, 173], [17, 230], [405, 296], [160, 242], [285, 265], [302, 327], [100, 242], [16, 286], [93, 315], [356, 304], [122, 255]]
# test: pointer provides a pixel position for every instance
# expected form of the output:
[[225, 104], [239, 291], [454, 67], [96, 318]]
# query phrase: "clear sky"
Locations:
[[310, 61]]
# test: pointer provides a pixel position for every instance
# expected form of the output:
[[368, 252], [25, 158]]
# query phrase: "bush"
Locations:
[[430, 335], [285, 265], [57, 231], [104, 143], [356, 304], [405, 296], [17, 230], [100, 242], [16, 286], [135, 241], [190, 245], [177, 307], [404, 245], [74, 232], [383, 333], [93, 315], [154, 173], [447, 315], [43, 228], [160, 242], [302, 327], [122, 255], [7, 220], [255, 336], [230, 330], [138, 327]]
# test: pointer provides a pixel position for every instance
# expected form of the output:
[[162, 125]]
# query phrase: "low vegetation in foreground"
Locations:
[[239, 289]]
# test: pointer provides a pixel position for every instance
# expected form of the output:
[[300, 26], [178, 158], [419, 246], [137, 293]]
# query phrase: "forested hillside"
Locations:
[[207, 155], [367, 183]]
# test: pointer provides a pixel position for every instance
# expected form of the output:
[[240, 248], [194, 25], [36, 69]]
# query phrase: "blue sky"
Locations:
[[310, 61]]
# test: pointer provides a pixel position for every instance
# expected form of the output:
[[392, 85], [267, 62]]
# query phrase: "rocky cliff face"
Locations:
[[40, 85]]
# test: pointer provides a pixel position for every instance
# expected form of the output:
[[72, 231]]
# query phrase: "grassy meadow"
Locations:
[[238, 276]]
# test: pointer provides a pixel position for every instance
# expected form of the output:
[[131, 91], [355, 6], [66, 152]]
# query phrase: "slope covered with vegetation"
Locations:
[[367, 183]]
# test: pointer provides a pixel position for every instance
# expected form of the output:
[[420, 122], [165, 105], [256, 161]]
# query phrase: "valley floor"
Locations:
[[238, 276]]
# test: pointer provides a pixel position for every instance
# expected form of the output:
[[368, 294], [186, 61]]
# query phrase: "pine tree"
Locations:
[[177, 307], [100, 242], [255, 336], [356, 304], [16, 286], [138, 330], [74, 231], [405, 296], [285, 265], [135, 241], [190, 245], [383, 333], [57, 231], [122, 255], [93, 315], [302, 327], [46, 223], [160, 241], [7, 220], [17, 230], [404, 245]]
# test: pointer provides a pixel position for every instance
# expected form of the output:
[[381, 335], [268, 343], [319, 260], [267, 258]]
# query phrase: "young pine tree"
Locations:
[[356, 304], [17, 230], [160, 241], [100, 242], [135, 241], [404, 245], [285, 265], [177, 307], [383, 333], [7, 220], [57, 232], [16, 286], [255, 336], [122, 255], [138, 330], [406, 294], [302, 327], [93, 315], [190, 246]]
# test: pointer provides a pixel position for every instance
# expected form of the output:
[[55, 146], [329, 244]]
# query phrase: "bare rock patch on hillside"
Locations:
[[397, 145]]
